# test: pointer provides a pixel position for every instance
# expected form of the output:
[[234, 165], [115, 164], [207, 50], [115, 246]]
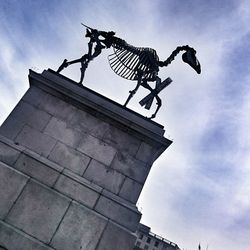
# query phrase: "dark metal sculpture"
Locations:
[[132, 63]]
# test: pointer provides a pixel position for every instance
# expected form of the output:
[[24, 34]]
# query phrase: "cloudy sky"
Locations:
[[199, 189]]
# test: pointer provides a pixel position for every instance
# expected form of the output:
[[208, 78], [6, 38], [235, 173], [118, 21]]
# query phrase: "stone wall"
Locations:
[[72, 166]]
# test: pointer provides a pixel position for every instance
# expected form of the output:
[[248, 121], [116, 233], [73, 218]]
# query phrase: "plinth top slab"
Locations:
[[49, 80]]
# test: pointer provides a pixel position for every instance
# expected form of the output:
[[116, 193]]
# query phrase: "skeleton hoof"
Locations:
[[63, 65], [151, 117]]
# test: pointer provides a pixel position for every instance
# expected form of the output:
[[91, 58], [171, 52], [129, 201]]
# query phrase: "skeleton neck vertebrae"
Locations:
[[132, 63]]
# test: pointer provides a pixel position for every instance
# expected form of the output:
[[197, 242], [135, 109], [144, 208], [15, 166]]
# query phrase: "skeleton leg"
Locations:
[[84, 60], [158, 106], [147, 101], [63, 65], [84, 64], [132, 92]]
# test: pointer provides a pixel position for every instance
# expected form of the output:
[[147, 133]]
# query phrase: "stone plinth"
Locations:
[[72, 166]]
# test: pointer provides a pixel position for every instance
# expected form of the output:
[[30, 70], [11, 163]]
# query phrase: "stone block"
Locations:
[[14, 239], [116, 237], [11, 127], [38, 211], [38, 120], [82, 180], [77, 191], [50, 103], [118, 212], [11, 185], [36, 141], [81, 228], [34, 96], [28, 114], [69, 158], [146, 153], [131, 167], [36, 169], [42, 159], [60, 130], [121, 140], [57, 107], [24, 113], [97, 149], [8, 154], [85, 122], [130, 190], [104, 176]]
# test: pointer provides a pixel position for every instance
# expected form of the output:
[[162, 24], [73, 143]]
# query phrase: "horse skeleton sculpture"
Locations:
[[132, 63]]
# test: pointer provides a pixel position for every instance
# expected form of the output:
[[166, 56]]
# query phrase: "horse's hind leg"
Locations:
[[132, 92], [158, 103], [148, 100]]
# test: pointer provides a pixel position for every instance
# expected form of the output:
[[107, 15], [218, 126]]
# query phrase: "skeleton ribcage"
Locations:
[[131, 62]]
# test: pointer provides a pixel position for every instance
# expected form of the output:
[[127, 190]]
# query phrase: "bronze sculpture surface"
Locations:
[[133, 63]]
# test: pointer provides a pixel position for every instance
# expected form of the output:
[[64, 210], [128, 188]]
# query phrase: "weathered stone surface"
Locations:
[[100, 104], [81, 228], [11, 127], [86, 134], [59, 130], [57, 107], [28, 114], [131, 167], [50, 103], [34, 96], [38, 211], [8, 154], [104, 176], [69, 158], [13, 239], [77, 191], [86, 122], [11, 185], [37, 169], [118, 212], [97, 149], [116, 238], [130, 190], [36, 141], [146, 153], [43, 160], [24, 113], [82, 180], [121, 140]]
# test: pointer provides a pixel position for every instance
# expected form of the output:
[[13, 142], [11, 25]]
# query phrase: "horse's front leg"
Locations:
[[65, 63], [84, 60], [84, 64]]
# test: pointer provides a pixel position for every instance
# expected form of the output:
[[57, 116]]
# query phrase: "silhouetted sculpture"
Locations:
[[132, 63]]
